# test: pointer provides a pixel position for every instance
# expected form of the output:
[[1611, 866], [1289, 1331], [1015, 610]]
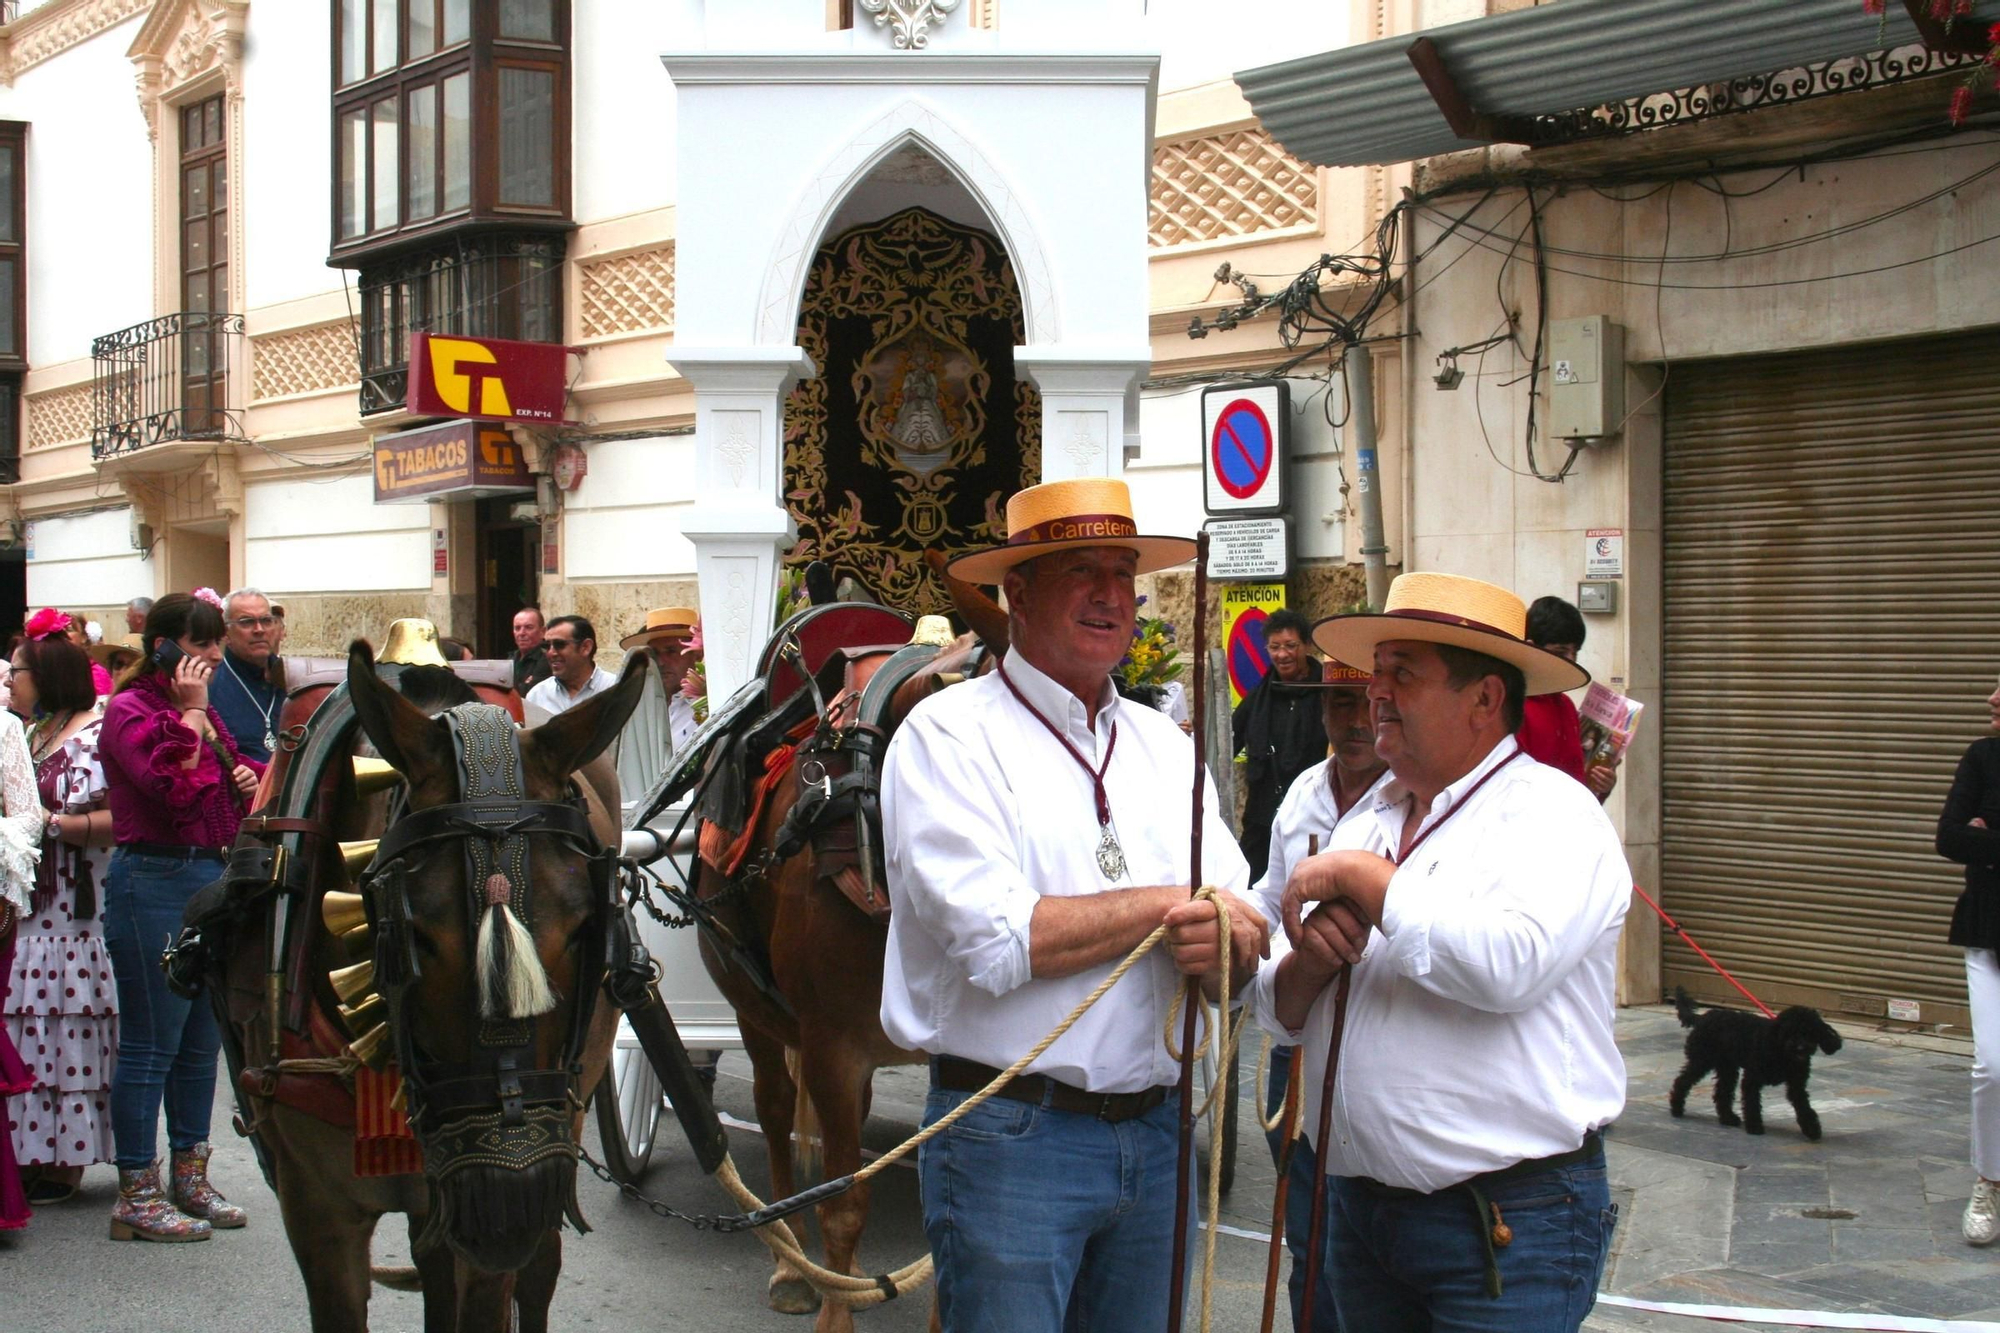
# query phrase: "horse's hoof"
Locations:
[[792, 1295]]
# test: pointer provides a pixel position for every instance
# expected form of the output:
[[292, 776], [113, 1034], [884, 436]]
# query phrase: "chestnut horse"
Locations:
[[477, 1275], [825, 957]]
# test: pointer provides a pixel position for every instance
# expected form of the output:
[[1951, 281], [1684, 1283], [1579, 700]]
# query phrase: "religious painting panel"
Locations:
[[916, 429]]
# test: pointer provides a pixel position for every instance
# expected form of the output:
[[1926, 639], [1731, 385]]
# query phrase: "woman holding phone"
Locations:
[[178, 789]]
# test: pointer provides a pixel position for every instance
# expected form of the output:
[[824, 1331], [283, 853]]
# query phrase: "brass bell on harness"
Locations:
[[343, 912], [371, 1048], [372, 775], [357, 855], [359, 1018], [351, 983]]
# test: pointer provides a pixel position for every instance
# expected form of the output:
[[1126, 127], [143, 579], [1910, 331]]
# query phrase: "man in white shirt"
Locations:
[[1479, 898], [1037, 829], [1317, 802], [670, 637], [571, 643]]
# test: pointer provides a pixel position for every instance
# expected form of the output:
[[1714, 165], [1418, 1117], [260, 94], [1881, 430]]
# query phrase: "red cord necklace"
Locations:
[[1110, 856]]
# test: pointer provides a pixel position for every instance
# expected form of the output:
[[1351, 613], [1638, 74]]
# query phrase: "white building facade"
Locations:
[[222, 275]]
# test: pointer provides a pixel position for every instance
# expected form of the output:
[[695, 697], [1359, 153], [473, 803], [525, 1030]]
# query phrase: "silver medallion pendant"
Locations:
[[1110, 856], [270, 743]]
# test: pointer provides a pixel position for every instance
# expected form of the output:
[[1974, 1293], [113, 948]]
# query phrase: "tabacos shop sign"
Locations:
[[488, 379], [458, 460]]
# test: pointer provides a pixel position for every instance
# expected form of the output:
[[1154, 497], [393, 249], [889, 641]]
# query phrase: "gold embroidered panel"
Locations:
[[916, 429], [59, 416], [628, 293], [304, 361], [1219, 186]]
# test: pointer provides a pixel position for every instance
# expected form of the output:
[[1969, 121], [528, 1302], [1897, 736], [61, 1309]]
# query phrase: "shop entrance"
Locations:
[[508, 572]]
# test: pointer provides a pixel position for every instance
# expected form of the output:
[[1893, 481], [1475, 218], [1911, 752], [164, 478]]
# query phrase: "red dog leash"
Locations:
[[1720, 969]]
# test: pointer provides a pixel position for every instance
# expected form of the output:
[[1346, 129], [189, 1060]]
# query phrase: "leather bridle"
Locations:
[[495, 1109]]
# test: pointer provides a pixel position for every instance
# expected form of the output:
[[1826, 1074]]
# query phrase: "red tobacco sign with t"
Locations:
[[487, 379]]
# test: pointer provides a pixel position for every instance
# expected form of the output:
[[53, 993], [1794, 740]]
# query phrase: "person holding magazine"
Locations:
[[1551, 730]]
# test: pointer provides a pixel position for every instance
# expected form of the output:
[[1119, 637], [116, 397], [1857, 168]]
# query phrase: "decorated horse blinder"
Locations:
[[495, 1110]]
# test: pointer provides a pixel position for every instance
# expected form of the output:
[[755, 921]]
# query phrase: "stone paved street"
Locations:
[[1865, 1220]]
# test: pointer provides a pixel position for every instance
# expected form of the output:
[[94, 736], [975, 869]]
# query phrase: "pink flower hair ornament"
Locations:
[[47, 623], [208, 595]]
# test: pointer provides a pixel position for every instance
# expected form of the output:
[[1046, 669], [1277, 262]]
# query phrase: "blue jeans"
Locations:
[[1042, 1220], [166, 1045], [1301, 1179], [1416, 1264]]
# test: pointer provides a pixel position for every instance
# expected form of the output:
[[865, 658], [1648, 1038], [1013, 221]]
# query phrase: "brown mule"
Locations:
[[825, 956], [474, 1280]]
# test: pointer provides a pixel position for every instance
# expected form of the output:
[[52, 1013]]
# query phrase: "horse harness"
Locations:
[[495, 1109]]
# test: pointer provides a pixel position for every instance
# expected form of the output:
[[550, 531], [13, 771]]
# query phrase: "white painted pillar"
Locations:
[[1090, 406], [739, 524]]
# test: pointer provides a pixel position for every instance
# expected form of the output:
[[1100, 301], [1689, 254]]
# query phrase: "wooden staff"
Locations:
[[1184, 1165], [1288, 1134], [1316, 1235]]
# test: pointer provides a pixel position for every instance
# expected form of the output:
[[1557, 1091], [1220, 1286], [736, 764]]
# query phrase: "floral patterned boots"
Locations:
[[193, 1194], [144, 1213]]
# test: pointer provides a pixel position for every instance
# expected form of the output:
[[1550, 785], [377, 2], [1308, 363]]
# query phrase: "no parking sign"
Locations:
[[1245, 438], [1245, 608]]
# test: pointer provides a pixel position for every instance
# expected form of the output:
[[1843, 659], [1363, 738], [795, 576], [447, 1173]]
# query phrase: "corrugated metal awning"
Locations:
[[1367, 104]]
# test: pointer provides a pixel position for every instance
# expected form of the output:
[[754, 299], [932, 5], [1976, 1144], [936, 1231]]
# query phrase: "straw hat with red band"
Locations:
[[664, 622], [1445, 608], [1061, 515]]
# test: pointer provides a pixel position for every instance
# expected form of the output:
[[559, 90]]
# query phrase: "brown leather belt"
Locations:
[[1593, 1144], [956, 1075]]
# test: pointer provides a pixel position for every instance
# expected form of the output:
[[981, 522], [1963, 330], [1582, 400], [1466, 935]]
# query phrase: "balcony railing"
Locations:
[[164, 380], [503, 285]]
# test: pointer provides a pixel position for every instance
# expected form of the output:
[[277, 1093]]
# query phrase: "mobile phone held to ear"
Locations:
[[167, 655]]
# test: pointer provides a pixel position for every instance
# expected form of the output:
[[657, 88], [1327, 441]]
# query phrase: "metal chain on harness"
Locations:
[[699, 1221]]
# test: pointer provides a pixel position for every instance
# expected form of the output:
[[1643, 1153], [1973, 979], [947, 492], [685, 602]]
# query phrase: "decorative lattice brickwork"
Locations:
[[60, 416], [1238, 183], [627, 293], [303, 361]]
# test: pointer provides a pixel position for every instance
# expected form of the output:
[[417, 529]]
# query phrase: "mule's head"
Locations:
[[490, 898]]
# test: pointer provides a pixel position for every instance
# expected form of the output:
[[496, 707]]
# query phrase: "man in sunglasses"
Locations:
[[571, 645]]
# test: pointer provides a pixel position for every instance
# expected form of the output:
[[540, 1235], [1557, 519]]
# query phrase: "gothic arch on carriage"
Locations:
[[903, 290], [781, 146]]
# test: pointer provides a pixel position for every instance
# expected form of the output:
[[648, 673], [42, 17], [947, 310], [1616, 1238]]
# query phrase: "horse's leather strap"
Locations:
[[258, 826], [448, 1097], [956, 1075]]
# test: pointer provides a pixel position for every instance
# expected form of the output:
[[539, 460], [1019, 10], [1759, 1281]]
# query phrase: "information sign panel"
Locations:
[[1245, 608], [1249, 548]]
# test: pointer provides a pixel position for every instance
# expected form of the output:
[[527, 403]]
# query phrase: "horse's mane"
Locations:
[[435, 688]]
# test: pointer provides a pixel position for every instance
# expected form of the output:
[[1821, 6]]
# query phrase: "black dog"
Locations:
[[1767, 1052]]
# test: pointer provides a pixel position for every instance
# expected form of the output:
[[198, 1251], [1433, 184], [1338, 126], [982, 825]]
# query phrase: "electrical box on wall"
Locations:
[[1586, 378]]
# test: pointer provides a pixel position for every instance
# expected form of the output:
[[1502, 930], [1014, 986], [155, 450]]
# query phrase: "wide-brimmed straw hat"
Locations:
[[1445, 608], [664, 622], [1059, 515]]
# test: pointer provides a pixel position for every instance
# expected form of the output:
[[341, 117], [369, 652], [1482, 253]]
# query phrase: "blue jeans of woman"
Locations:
[[1042, 1220], [1416, 1264], [166, 1045]]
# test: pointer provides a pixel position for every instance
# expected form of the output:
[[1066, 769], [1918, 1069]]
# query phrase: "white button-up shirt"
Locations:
[[550, 697], [984, 814], [1479, 1023]]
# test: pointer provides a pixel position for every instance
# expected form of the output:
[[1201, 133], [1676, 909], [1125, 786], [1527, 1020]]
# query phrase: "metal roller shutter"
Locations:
[[1831, 553]]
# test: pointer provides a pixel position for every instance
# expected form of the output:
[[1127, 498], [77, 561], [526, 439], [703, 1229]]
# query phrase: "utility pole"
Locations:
[[1368, 474]]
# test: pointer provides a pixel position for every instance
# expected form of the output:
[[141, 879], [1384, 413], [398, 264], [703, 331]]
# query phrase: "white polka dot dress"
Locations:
[[62, 1006]]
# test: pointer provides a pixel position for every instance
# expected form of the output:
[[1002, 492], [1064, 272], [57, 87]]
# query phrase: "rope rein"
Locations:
[[860, 1292]]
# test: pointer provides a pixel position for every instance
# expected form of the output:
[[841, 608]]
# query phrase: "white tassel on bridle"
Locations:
[[512, 981]]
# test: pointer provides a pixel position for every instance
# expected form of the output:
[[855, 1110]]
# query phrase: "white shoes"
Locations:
[[1982, 1214]]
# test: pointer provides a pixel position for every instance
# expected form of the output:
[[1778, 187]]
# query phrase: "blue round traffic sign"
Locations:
[[1249, 661], [1240, 448]]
